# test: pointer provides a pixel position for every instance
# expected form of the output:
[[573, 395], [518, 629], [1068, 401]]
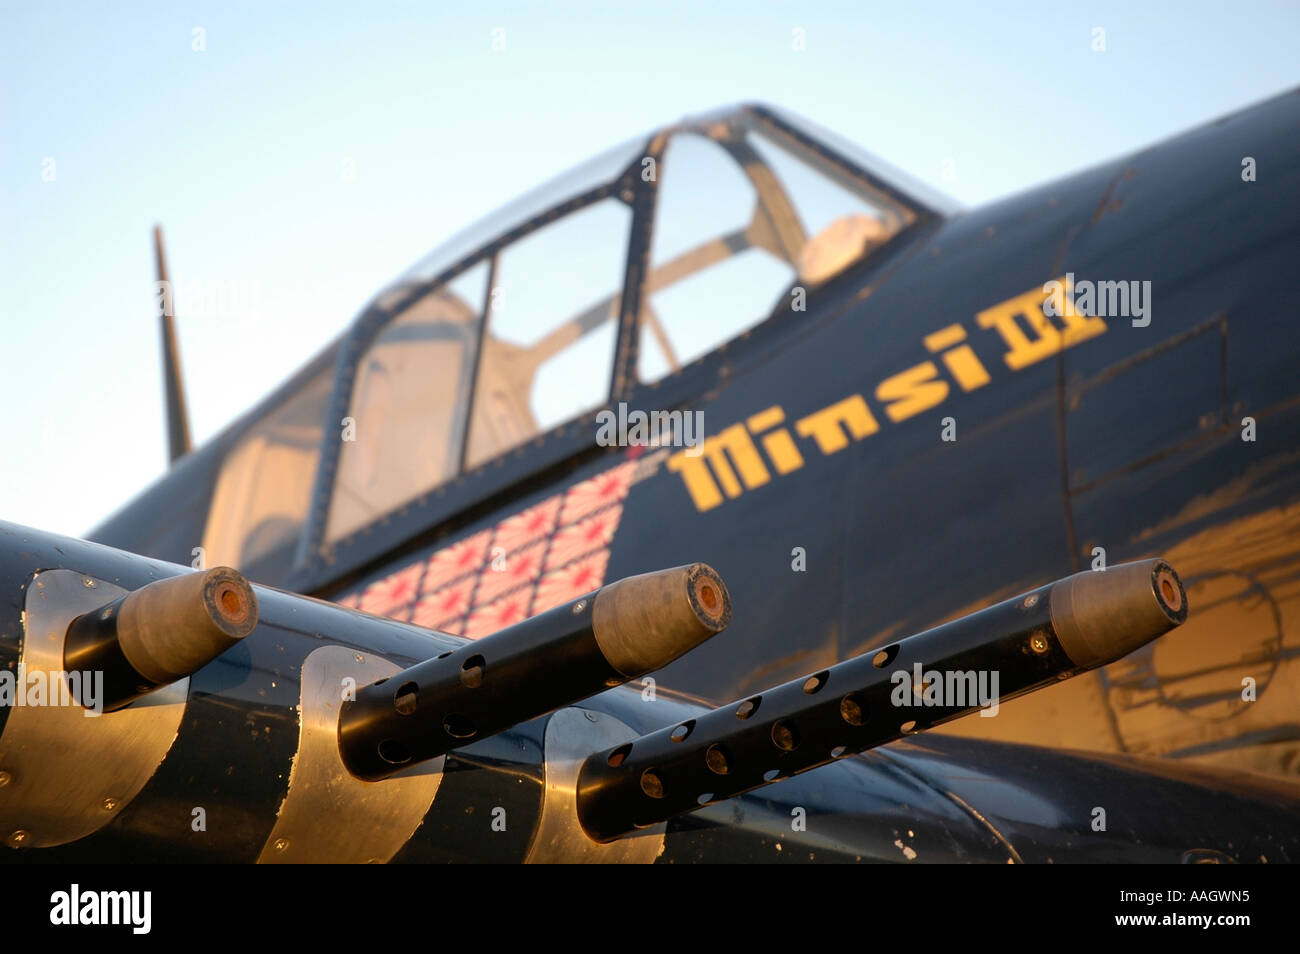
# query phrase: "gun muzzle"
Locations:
[[616, 633], [975, 662], [162, 632]]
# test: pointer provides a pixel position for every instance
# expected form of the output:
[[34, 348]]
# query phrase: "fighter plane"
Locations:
[[733, 497]]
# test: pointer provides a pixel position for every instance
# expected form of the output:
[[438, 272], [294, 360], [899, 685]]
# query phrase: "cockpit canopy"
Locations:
[[622, 274]]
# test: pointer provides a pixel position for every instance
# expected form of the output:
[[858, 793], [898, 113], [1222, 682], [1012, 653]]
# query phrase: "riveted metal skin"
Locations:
[[329, 815], [568, 653], [571, 735], [488, 803], [216, 795], [1132, 439], [73, 770], [856, 704]]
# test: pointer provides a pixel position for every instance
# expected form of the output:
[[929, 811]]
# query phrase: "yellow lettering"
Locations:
[[912, 391], [732, 446], [699, 482], [1081, 327], [765, 419], [962, 363], [1048, 340], [966, 368], [827, 426], [944, 338], [780, 448]]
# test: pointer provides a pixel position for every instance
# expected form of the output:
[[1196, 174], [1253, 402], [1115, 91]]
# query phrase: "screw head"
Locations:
[[89, 583], [108, 804], [5, 778], [579, 606], [18, 838], [1030, 601], [281, 844], [1038, 643]]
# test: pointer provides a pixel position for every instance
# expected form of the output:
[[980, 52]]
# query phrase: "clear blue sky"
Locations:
[[239, 150]]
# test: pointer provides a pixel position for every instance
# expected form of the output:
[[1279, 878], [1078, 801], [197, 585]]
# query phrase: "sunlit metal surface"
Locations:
[[328, 815], [572, 735], [70, 773]]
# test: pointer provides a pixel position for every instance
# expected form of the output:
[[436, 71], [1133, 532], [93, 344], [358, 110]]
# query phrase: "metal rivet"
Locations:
[[1031, 601], [281, 844], [579, 606]]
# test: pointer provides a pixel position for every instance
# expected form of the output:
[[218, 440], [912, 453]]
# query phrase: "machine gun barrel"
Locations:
[[616, 633], [162, 632], [1015, 647]]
